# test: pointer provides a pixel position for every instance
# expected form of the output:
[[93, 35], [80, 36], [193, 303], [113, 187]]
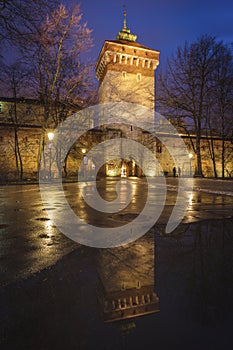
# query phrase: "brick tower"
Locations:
[[125, 70]]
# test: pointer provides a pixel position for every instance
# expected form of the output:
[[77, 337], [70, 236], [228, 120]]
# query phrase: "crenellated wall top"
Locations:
[[120, 55]]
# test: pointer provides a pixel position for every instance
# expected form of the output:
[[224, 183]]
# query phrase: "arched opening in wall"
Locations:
[[130, 168]]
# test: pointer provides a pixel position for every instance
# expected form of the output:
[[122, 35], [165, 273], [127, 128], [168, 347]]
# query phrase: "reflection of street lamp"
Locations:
[[50, 137], [190, 157]]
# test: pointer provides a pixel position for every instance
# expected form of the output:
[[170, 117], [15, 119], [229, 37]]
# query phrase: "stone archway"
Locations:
[[130, 168]]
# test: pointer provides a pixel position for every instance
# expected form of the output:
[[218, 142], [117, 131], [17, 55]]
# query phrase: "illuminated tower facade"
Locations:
[[125, 70]]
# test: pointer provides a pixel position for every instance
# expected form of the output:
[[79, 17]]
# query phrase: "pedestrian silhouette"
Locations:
[[179, 171], [174, 171]]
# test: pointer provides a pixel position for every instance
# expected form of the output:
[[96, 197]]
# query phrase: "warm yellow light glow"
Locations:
[[190, 155], [111, 172], [190, 199], [84, 150], [123, 171], [50, 135], [151, 173]]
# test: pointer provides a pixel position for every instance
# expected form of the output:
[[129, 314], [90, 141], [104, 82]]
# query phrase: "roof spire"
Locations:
[[125, 26], [125, 33]]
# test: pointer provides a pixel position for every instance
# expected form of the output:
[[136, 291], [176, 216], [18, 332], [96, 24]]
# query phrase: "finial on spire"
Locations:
[[125, 33], [124, 12], [125, 26]]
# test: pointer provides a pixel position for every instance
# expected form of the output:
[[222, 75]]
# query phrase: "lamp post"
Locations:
[[190, 164], [85, 162], [50, 137]]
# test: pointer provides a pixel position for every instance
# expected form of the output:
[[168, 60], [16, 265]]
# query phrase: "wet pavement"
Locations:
[[168, 290]]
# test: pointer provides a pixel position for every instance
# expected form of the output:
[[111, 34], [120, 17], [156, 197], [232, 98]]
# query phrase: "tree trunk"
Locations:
[[198, 171], [223, 158], [18, 158]]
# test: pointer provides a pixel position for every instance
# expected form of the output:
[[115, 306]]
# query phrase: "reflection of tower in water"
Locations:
[[126, 278]]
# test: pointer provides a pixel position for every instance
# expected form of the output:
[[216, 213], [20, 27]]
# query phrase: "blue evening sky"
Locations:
[[160, 24]]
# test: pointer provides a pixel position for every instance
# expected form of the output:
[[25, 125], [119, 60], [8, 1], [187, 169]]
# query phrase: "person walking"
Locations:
[[174, 171], [179, 171]]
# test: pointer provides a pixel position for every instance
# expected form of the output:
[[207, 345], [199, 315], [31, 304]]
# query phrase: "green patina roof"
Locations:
[[125, 33]]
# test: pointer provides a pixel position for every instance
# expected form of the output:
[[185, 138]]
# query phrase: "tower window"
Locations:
[[28, 110], [124, 75], [139, 76]]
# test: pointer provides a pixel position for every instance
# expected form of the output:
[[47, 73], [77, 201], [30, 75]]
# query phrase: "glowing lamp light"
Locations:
[[190, 155], [151, 173], [84, 150], [50, 136]]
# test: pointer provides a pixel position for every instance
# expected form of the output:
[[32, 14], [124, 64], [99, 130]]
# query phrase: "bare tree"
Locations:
[[62, 75], [16, 77], [19, 19], [188, 87], [62, 78], [223, 99]]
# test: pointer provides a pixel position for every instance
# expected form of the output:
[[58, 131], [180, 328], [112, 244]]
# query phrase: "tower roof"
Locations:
[[125, 33]]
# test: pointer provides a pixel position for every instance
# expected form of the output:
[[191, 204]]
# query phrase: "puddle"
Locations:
[[2, 226], [45, 209]]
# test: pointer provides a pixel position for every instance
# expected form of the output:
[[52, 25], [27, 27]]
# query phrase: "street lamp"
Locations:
[[85, 162], [50, 137], [190, 165]]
